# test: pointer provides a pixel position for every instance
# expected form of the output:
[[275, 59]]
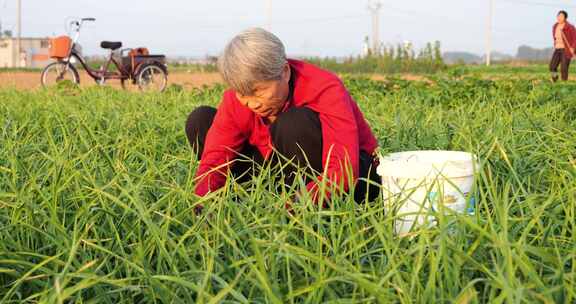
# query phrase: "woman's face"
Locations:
[[269, 96], [561, 18]]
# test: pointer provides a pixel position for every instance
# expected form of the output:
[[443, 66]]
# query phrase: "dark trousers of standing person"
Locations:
[[296, 136], [558, 59]]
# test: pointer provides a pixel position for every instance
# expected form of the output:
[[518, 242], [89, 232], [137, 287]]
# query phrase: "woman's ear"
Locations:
[[286, 73]]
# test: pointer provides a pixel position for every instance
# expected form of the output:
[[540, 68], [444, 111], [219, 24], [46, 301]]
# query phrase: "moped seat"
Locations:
[[112, 45]]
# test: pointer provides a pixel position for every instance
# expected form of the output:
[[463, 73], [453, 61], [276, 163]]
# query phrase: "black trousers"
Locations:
[[558, 59], [297, 136]]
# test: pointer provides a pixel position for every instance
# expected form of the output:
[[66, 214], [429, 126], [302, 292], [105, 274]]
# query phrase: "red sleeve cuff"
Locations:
[[314, 191], [201, 190]]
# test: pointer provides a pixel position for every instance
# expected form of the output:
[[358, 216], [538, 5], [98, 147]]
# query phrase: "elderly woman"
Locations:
[[284, 106], [564, 35]]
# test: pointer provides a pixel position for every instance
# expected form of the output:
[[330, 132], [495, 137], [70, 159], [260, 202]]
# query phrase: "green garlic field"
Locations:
[[96, 203]]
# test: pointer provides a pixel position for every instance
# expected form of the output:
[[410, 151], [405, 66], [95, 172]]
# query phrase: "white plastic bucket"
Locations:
[[416, 185]]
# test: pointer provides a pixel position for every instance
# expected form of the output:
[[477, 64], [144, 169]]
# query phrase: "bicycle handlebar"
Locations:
[[79, 23], [77, 26]]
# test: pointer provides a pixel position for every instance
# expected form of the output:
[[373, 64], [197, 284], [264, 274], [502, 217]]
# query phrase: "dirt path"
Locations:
[[31, 80]]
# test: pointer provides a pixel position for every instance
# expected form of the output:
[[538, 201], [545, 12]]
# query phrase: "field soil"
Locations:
[[31, 80]]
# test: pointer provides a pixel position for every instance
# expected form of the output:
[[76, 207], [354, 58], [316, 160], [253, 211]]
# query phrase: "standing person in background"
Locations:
[[564, 35]]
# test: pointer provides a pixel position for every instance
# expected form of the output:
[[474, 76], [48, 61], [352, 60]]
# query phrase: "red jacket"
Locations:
[[569, 38], [344, 129]]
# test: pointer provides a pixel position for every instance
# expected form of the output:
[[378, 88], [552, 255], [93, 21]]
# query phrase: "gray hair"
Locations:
[[253, 55]]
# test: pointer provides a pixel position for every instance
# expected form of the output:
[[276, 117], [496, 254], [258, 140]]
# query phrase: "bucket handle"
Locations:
[[409, 157]]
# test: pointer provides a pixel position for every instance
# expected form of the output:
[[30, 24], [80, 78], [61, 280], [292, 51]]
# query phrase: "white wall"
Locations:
[[31, 47]]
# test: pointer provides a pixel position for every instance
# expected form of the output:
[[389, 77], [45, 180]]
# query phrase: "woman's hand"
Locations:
[[288, 206], [198, 209]]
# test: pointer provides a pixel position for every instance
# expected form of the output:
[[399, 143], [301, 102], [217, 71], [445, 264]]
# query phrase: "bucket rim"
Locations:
[[449, 163]]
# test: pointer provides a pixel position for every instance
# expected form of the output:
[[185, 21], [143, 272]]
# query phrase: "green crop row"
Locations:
[[96, 204]]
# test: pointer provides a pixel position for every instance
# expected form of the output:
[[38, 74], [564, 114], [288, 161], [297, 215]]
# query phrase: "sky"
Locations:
[[307, 27]]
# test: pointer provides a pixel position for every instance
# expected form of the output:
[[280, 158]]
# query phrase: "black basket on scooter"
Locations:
[[139, 56]]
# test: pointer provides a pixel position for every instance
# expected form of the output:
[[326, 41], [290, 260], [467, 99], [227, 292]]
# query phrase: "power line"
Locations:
[[208, 27], [338, 18], [499, 30], [536, 3], [414, 13]]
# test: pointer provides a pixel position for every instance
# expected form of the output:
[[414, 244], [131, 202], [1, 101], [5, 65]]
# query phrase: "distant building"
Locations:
[[33, 53]]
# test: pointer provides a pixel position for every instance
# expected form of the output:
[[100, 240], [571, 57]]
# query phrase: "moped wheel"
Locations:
[[58, 72], [152, 78]]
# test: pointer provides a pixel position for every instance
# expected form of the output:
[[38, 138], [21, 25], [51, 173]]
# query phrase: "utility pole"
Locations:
[[269, 15], [374, 9], [19, 35], [489, 30]]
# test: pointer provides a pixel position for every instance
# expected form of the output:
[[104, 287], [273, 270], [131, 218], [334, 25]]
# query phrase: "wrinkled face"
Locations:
[[561, 18], [269, 96]]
